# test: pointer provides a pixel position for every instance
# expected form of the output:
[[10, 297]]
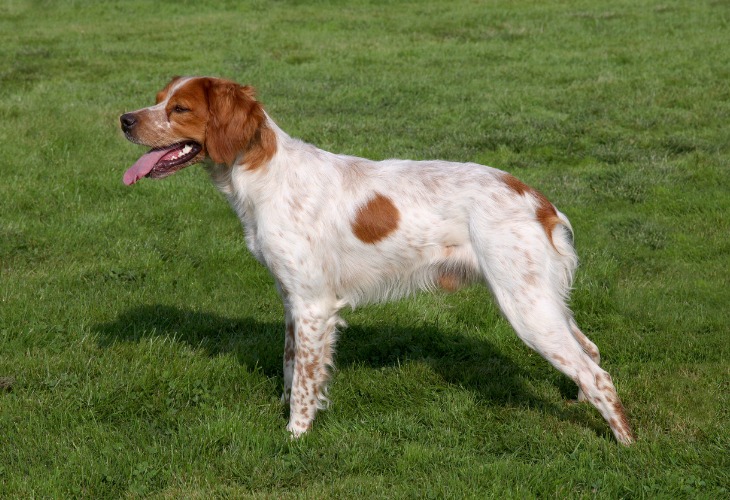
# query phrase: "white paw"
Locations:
[[296, 431]]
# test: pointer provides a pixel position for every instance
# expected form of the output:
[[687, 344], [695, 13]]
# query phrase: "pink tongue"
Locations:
[[144, 165]]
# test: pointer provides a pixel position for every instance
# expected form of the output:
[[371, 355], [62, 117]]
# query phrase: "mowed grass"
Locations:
[[140, 344]]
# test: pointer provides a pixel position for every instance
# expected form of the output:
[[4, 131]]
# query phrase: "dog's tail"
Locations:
[[560, 236]]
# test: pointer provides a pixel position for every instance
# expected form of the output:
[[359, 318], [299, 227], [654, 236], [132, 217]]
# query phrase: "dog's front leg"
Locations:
[[314, 336], [290, 343], [290, 349]]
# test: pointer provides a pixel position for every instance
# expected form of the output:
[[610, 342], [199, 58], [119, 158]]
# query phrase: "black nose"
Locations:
[[128, 121]]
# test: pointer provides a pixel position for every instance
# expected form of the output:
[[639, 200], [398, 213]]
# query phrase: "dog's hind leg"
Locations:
[[542, 324], [588, 347], [529, 284]]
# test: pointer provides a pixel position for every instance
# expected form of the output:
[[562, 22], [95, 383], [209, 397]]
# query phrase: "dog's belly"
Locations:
[[394, 271]]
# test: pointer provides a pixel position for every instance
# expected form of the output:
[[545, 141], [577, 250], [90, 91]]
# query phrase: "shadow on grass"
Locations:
[[471, 363]]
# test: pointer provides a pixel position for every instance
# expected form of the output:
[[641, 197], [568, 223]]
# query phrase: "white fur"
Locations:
[[461, 222], [298, 210]]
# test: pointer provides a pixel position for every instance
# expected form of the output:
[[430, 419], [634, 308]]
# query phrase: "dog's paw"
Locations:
[[297, 428]]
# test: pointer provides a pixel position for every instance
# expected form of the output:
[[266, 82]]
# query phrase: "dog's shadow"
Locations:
[[464, 361]]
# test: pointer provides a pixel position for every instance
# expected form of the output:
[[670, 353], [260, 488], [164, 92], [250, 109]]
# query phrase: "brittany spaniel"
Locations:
[[338, 231]]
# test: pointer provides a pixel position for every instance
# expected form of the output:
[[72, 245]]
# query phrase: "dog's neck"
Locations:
[[257, 155]]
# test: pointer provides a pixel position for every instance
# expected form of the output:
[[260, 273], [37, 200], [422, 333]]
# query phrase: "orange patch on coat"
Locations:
[[586, 346], [376, 219], [311, 368], [560, 360], [515, 184], [545, 213], [449, 282], [623, 421]]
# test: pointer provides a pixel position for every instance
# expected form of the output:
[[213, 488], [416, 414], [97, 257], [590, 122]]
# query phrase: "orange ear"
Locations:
[[234, 120]]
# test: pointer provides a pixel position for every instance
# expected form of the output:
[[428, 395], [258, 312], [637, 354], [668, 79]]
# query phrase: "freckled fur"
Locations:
[[335, 230]]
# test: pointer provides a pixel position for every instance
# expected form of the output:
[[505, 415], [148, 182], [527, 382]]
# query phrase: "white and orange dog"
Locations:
[[337, 230]]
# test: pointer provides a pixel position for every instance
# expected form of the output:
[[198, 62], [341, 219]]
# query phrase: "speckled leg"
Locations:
[[588, 347], [290, 347], [315, 334], [541, 323], [531, 295]]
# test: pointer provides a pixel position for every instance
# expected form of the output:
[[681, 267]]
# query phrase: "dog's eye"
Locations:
[[180, 109]]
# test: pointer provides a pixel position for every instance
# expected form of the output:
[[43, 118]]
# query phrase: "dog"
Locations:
[[337, 231]]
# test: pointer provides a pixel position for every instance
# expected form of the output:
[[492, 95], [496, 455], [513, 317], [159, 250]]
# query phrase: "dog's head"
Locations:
[[196, 119]]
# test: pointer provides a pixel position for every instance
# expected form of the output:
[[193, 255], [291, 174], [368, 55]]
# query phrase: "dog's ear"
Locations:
[[234, 120]]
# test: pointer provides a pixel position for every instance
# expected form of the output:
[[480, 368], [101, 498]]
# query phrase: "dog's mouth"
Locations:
[[161, 162]]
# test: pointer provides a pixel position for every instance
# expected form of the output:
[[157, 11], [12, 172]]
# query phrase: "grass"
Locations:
[[141, 343]]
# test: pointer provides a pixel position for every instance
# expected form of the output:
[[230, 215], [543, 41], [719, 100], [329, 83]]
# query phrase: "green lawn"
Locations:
[[140, 344]]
